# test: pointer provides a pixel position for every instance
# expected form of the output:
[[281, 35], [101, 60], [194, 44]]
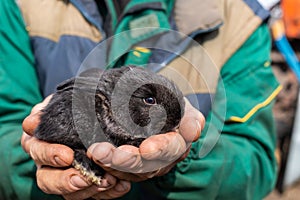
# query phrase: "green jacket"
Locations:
[[18, 93], [233, 159]]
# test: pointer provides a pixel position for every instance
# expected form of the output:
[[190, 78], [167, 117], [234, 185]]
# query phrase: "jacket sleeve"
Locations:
[[234, 158], [19, 91], [248, 136]]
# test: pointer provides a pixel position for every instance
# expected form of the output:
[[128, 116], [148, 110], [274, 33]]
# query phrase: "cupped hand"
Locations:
[[155, 156], [53, 174]]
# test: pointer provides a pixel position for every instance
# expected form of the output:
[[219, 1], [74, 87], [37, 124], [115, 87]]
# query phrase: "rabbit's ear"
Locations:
[[66, 85], [92, 72], [86, 81]]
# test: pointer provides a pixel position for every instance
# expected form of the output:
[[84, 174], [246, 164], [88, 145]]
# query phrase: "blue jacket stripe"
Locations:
[[257, 9]]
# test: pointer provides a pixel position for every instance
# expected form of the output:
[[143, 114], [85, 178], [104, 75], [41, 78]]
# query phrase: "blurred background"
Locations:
[[285, 28]]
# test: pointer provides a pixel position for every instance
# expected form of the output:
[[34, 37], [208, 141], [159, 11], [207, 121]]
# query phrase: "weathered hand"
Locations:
[[50, 159], [155, 156]]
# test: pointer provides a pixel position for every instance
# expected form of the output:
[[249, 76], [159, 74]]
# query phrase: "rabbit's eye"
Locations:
[[149, 100]]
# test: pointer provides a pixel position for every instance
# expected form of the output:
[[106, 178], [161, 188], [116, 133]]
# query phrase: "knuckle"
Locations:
[[54, 181], [24, 143], [43, 184], [33, 153], [50, 154], [42, 153]]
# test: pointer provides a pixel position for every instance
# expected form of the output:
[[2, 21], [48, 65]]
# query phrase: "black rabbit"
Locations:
[[121, 106]]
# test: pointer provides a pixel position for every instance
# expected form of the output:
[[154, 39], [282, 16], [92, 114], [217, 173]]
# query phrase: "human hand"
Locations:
[[155, 156], [51, 160], [166, 149]]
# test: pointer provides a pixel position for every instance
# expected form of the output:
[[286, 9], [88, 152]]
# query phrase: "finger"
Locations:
[[106, 156], [127, 157], [159, 168], [25, 142], [166, 147], [157, 152], [107, 183], [101, 153], [31, 122], [164, 169], [61, 181], [82, 194], [70, 183], [43, 153], [124, 158], [119, 190], [191, 123]]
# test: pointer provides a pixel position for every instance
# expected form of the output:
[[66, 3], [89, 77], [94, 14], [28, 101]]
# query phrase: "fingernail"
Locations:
[[121, 187], [78, 182]]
